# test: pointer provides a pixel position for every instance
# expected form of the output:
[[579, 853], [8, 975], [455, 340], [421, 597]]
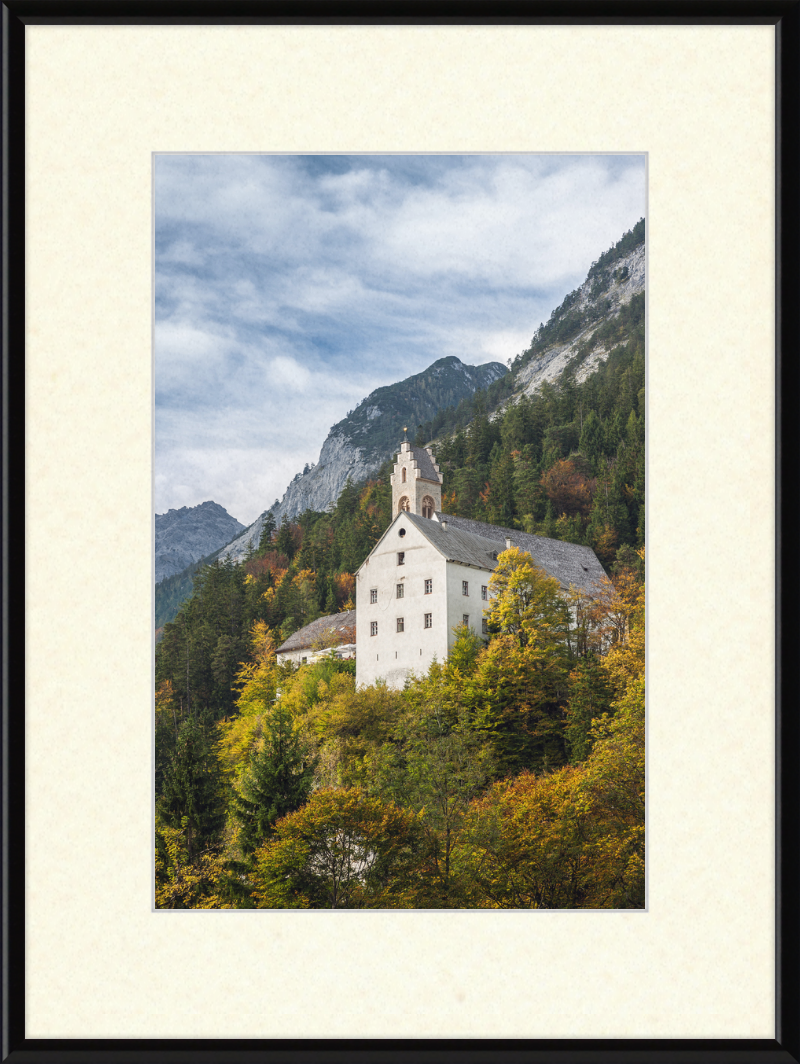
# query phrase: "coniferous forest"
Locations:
[[509, 776]]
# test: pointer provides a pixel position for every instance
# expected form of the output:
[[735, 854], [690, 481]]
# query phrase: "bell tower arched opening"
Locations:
[[416, 482]]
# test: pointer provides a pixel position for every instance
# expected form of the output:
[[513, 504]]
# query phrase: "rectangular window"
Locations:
[[428, 587], [373, 594], [400, 590], [303, 661], [465, 587], [401, 558], [465, 620], [485, 626], [401, 627], [373, 627], [429, 620], [484, 592]]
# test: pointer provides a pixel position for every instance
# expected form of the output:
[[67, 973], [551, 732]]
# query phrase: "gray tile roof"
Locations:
[[343, 624], [465, 540], [427, 469], [457, 545]]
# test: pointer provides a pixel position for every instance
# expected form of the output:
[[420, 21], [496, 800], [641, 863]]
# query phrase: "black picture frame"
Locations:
[[16, 1048]]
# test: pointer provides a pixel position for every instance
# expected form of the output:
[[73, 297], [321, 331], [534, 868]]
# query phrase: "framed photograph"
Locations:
[[191, 197]]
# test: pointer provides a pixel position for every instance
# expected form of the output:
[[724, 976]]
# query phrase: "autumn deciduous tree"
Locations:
[[185, 884], [257, 683], [517, 696], [519, 687], [349, 724], [568, 487], [527, 603], [617, 607], [342, 850], [572, 838]]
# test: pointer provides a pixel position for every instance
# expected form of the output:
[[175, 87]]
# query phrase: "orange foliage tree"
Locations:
[[568, 487]]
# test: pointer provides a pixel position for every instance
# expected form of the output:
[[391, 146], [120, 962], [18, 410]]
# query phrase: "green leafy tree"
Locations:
[[444, 766]]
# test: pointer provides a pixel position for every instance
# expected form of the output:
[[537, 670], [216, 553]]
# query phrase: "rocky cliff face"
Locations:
[[599, 301], [183, 536], [357, 446]]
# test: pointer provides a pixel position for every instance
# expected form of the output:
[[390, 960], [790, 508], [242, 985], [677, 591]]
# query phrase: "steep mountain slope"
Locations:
[[357, 445], [186, 535], [591, 320]]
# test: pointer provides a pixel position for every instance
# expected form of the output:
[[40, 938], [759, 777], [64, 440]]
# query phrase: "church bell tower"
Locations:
[[416, 481]]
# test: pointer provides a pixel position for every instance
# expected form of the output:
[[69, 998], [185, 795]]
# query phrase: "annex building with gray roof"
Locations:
[[335, 632]]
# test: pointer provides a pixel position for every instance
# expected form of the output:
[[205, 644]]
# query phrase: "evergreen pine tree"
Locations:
[[191, 789], [549, 522], [277, 782], [330, 601], [590, 696], [267, 531], [285, 539]]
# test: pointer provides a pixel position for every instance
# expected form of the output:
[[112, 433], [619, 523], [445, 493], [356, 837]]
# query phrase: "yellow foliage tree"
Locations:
[[526, 602], [257, 681], [185, 884]]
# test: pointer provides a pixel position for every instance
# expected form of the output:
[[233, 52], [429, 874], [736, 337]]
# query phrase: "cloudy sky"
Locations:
[[289, 287]]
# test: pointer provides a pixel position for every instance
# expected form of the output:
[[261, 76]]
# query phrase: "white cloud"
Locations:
[[501, 346], [288, 373]]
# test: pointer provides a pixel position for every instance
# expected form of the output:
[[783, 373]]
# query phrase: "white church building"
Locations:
[[429, 572]]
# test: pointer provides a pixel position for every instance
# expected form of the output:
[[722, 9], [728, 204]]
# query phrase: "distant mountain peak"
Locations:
[[185, 535]]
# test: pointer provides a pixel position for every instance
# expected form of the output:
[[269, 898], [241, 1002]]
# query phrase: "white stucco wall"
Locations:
[[392, 655], [458, 603]]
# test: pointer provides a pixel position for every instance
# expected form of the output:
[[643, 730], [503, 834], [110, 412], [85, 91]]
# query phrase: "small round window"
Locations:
[[402, 532]]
